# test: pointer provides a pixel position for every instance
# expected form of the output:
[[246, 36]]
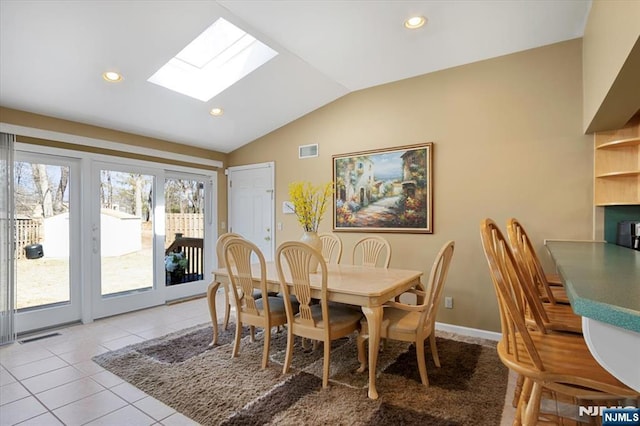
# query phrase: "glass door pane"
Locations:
[[126, 232], [184, 230], [42, 234], [46, 199]]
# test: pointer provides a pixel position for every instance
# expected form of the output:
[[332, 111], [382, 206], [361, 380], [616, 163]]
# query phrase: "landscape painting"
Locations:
[[389, 190]]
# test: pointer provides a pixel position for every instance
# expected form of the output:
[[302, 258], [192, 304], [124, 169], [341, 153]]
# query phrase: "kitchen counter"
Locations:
[[603, 284], [602, 280]]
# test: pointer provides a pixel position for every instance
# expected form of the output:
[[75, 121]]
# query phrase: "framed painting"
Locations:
[[385, 190]]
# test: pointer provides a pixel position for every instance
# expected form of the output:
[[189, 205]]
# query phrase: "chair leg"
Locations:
[[421, 363], [434, 349], [522, 401], [252, 330], [517, 390], [362, 355], [267, 343], [326, 364], [289, 354], [236, 343], [227, 308], [533, 406]]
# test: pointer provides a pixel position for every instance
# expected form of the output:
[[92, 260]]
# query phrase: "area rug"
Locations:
[[205, 384]]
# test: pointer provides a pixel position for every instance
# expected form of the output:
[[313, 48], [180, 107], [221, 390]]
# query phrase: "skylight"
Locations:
[[216, 59]]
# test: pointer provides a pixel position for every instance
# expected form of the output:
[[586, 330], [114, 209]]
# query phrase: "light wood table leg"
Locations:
[[374, 318], [212, 290]]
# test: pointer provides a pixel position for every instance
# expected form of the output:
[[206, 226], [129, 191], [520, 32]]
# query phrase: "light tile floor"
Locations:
[[53, 381]]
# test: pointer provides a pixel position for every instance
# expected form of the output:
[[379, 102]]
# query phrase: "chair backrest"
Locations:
[[369, 250], [220, 246], [513, 297], [331, 247], [292, 260], [437, 278], [237, 255], [528, 259]]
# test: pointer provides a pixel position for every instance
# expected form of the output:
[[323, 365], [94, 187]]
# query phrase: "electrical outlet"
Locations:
[[448, 302]]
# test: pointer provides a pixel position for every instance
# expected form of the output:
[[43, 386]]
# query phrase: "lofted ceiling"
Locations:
[[53, 54]]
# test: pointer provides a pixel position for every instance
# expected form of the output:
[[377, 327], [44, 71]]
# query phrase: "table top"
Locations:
[[351, 280], [602, 280]]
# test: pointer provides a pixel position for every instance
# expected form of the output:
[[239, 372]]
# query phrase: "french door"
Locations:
[[47, 199], [96, 235], [188, 237], [125, 238], [152, 232]]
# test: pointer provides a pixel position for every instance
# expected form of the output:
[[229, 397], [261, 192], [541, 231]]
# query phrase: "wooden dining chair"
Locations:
[[414, 323], [315, 321], [265, 312], [528, 258], [222, 239], [371, 251], [555, 362], [331, 247]]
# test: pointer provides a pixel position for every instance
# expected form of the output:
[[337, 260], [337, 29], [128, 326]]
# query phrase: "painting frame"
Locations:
[[384, 190]]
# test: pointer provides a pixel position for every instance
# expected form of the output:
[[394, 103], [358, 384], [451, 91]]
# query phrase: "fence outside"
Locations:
[[28, 231], [188, 224]]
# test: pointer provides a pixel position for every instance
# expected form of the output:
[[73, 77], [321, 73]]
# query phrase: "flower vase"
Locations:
[[312, 239]]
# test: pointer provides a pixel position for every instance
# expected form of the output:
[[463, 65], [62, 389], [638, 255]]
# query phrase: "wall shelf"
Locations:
[[620, 173], [617, 165], [619, 143]]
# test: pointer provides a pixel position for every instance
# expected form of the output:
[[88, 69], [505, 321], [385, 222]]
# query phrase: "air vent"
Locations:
[[33, 339], [308, 151]]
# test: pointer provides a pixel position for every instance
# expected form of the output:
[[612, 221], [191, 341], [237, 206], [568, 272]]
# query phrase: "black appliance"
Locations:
[[628, 234], [34, 251]]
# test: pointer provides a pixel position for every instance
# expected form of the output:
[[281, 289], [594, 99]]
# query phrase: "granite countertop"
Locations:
[[602, 280]]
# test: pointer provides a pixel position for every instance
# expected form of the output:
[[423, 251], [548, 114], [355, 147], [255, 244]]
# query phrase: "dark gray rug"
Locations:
[[210, 387]]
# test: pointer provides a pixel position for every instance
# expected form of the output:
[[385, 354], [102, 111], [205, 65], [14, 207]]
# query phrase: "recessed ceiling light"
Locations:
[[216, 112], [112, 76], [415, 22]]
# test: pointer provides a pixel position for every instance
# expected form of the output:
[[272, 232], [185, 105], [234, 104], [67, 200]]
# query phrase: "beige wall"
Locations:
[[508, 142], [611, 64]]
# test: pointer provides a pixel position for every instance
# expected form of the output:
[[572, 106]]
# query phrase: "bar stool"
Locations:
[[556, 362], [526, 255]]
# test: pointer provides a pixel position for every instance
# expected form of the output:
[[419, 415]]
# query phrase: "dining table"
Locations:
[[364, 286]]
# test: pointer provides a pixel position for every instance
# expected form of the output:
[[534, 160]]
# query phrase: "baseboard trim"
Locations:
[[467, 331]]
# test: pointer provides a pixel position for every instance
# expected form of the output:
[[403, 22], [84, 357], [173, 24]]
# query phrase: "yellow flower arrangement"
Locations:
[[310, 203]]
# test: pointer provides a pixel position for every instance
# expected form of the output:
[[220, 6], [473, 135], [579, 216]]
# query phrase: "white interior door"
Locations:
[[252, 204]]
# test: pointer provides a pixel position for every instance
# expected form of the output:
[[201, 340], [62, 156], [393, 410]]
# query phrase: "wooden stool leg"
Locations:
[[517, 391], [533, 406], [522, 401]]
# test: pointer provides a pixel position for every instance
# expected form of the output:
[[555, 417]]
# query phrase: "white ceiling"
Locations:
[[53, 53]]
